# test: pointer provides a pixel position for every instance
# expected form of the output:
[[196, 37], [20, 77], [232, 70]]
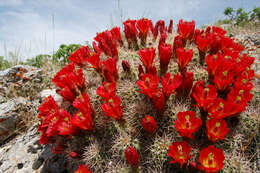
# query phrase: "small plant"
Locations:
[[64, 51]]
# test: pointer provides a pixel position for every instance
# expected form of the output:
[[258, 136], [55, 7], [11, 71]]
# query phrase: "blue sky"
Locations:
[[26, 26]]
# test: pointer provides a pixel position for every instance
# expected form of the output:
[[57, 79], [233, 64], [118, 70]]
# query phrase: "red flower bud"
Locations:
[[132, 156], [126, 66], [149, 124]]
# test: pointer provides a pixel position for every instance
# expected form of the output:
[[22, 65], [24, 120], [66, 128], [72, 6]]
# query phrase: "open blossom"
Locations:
[[187, 123], [83, 120], [132, 156], [165, 54], [148, 84], [107, 90], [147, 57], [180, 152], [203, 45], [216, 129], [223, 79], [186, 29], [65, 126], [83, 169], [204, 96], [170, 84], [219, 109], [79, 56], [95, 62], [149, 124], [183, 57], [82, 103], [48, 106], [211, 159], [112, 108]]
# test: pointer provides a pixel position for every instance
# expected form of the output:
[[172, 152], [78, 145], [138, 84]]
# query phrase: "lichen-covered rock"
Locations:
[[25, 155]]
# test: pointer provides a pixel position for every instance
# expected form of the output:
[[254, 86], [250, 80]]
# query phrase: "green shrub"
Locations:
[[4, 64], [64, 52]]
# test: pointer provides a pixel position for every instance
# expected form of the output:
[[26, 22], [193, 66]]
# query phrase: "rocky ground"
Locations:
[[21, 90]]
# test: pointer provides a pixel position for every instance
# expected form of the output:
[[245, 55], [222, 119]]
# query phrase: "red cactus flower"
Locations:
[[187, 123], [130, 32], [112, 108], [147, 57], [65, 126], [83, 169], [216, 129], [94, 60], [186, 29], [66, 93], [219, 109], [177, 43], [126, 66], [143, 25], [140, 71], [223, 79], [158, 101], [79, 56], [184, 57], [204, 96], [165, 54], [83, 120], [159, 26], [170, 26], [186, 84], [48, 106], [202, 44], [148, 84], [170, 84], [149, 124], [117, 35], [107, 90], [83, 104], [180, 152], [215, 43], [211, 159], [218, 30], [132, 156], [162, 39], [96, 48], [110, 71]]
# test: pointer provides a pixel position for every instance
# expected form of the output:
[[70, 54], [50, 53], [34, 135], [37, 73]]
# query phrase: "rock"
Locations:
[[51, 92], [9, 116], [16, 156]]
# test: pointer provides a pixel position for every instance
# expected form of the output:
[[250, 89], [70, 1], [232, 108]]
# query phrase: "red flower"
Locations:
[[148, 84], [165, 54], [126, 66], [186, 29], [158, 101], [116, 34], [143, 25], [186, 84], [170, 84], [94, 60], [149, 124], [170, 26], [130, 32], [83, 104], [219, 109], [216, 129], [187, 123], [65, 126], [83, 169], [112, 108], [204, 96], [66, 93], [211, 159], [147, 57], [203, 45], [79, 56], [107, 90], [132, 156], [184, 57], [223, 79], [110, 70], [162, 39], [140, 71], [48, 106], [159, 26], [180, 152], [177, 43], [83, 120]]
